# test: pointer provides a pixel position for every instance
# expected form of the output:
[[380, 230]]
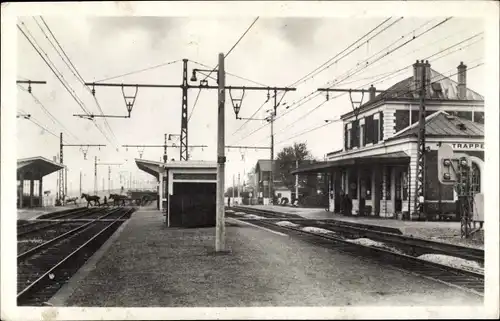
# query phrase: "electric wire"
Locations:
[[316, 72], [314, 93], [59, 76], [72, 68], [385, 78], [139, 71], [399, 70], [51, 116], [349, 75], [225, 56], [328, 61], [50, 65], [36, 122], [231, 74], [400, 95]]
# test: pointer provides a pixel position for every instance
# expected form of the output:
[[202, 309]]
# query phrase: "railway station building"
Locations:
[[377, 165], [30, 173]]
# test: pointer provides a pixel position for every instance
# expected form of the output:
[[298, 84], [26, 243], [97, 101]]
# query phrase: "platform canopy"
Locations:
[[36, 167], [154, 168], [327, 166]]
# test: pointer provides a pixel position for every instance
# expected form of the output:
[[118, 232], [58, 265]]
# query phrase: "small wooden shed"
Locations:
[[188, 191]]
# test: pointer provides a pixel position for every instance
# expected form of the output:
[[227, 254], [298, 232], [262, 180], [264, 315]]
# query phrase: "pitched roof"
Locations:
[[442, 88], [442, 124], [39, 164], [264, 165]]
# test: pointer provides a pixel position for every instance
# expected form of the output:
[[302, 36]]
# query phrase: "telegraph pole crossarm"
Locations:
[[248, 147], [174, 146], [30, 82]]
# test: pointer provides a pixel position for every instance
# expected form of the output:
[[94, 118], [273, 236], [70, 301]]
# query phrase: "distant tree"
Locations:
[[286, 162], [229, 192]]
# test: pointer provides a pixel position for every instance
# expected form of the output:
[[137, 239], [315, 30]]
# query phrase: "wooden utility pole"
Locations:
[[220, 234]]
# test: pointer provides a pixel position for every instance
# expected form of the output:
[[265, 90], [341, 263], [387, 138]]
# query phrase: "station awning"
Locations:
[[326, 166], [154, 168], [36, 167]]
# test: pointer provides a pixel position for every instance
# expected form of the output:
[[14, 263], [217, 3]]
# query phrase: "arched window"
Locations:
[[476, 179]]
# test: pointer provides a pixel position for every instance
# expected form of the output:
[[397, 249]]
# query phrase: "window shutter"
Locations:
[[362, 142], [345, 136], [375, 130], [369, 129], [381, 122]]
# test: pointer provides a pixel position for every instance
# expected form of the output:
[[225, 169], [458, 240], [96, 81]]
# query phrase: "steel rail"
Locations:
[[57, 220], [468, 253], [42, 246], [31, 286]]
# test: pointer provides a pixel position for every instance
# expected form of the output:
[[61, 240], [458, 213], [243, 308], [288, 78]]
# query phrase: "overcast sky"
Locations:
[[275, 52]]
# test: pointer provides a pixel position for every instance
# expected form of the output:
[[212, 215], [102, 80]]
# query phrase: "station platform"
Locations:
[[145, 264], [448, 232]]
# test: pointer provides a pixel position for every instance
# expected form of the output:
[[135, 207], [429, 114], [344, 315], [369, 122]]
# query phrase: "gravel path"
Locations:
[[149, 265]]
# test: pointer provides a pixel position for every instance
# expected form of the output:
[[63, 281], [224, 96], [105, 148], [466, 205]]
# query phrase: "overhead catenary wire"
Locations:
[[225, 56], [52, 67], [328, 61], [164, 64], [402, 94], [353, 44], [51, 116], [36, 122], [349, 75], [385, 78], [73, 69], [231, 74], [57, 73]]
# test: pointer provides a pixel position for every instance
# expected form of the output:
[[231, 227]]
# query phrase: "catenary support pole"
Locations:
[[420, 177], [296, 180], [220, 242], [95, 175]]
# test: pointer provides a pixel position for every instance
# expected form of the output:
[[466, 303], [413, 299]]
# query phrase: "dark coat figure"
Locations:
[[229, 201], [342, 203], [348, 205], [105, 202]]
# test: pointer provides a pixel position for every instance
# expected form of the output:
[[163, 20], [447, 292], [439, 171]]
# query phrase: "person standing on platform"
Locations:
[[348, 205]]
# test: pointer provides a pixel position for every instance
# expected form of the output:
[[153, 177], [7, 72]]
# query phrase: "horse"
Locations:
[[71, 199], [93, 198], [117, 198]]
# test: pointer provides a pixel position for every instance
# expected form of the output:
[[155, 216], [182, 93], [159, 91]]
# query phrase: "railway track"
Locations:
[[39, 224], [416, 246], [43, 269], [464, 279]]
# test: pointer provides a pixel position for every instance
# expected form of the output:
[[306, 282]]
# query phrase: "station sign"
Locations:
[[467, 146], [459, 146]]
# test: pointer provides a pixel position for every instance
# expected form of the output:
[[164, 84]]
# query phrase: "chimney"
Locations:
[[372, 92], [462, 81], [427, 67], [417, 79]]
